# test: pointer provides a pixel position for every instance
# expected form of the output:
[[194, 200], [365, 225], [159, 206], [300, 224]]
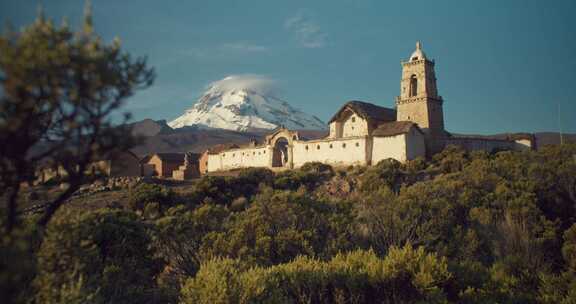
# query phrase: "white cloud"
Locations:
[[306, 31], [242, 46], [257, 83]]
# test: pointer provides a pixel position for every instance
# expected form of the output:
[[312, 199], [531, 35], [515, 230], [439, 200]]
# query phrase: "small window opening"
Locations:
[[353, 119], [318, 147], [344, 145], [306, 147], [330, 146]]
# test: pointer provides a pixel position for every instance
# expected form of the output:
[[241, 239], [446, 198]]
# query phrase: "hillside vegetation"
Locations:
[[460, 228]]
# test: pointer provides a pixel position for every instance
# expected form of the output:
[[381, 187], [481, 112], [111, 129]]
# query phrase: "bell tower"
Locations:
[[419, 101]]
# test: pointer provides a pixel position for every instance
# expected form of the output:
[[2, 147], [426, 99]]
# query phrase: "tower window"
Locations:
[[413, 85], [353, 119]]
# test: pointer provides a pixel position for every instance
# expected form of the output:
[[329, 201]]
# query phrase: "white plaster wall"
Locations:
[[389, 147], [523, 144], [239, 158], [333, 129], [354, 125], [354, 152], [214, 162]]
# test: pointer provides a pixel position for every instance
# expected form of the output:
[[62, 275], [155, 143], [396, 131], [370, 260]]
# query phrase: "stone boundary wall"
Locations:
[[484, 144]]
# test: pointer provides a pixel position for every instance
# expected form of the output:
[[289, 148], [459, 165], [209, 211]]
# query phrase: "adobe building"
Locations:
[[363, 133], [164, 164], [115, 164], [189, 169]]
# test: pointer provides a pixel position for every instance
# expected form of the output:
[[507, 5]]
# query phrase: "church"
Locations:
[[363, 133]]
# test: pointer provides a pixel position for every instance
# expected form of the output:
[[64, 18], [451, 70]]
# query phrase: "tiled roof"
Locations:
[[394, 128], [368, 111]]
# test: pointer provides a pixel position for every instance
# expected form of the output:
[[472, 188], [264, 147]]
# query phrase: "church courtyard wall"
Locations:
[[333, 151], [240, 158]]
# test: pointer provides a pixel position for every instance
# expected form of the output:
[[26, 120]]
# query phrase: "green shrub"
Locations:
[[107, 251], [144, 194], [317, 167], [405, 275]]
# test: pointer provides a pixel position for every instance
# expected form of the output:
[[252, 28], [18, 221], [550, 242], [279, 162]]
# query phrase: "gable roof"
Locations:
[[368, 111], [395, 128], [171, 157]]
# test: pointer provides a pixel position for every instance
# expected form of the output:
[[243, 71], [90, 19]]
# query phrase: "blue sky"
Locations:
[[502, 66]]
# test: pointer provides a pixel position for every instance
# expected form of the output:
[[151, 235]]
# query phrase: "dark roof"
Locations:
[[368, 111], [171, 157], [394, 128]]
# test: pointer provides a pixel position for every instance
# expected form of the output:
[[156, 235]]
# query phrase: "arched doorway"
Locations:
[[280, 153]]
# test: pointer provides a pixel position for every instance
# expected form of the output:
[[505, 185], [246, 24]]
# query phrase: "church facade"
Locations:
[[363, 133]]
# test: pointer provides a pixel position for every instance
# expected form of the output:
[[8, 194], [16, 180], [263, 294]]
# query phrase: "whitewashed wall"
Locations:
[[338, 152], [240, 158], [389, 147], [354, 125], [524, 144]]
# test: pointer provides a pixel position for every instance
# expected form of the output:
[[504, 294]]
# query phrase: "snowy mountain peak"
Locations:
[[242, 103]]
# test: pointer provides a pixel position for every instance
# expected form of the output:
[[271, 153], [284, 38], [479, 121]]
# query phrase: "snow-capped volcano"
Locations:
[[242, 103]]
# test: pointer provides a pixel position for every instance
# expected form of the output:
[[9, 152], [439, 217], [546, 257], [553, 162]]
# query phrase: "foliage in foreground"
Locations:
[[461, 228], [402, 276]]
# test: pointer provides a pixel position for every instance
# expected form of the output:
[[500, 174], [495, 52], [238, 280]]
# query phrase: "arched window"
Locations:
[[413, 85]]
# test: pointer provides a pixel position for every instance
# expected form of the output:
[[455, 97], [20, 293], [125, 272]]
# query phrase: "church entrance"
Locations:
[[280, 153]]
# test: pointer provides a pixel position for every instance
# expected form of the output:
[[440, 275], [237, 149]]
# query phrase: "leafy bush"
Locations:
[[105, 253], [144, 194], [405, 275]]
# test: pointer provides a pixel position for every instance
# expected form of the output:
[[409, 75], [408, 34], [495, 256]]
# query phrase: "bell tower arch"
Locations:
[[419, 101]]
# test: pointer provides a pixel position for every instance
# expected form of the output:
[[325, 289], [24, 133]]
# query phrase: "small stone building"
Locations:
[[120, 163], [165, 163], [189, 169]]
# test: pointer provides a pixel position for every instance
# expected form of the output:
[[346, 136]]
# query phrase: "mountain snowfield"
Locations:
[[243, 103]]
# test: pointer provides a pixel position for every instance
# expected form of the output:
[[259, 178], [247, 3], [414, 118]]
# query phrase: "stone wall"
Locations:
[[482, 144]]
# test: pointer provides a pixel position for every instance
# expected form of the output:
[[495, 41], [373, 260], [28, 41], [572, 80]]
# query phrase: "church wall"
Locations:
[[334, 129], [416, 111], [344, 152], [240, 158], [524, 144], [415, 145], [354, 125], [389, 147]]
